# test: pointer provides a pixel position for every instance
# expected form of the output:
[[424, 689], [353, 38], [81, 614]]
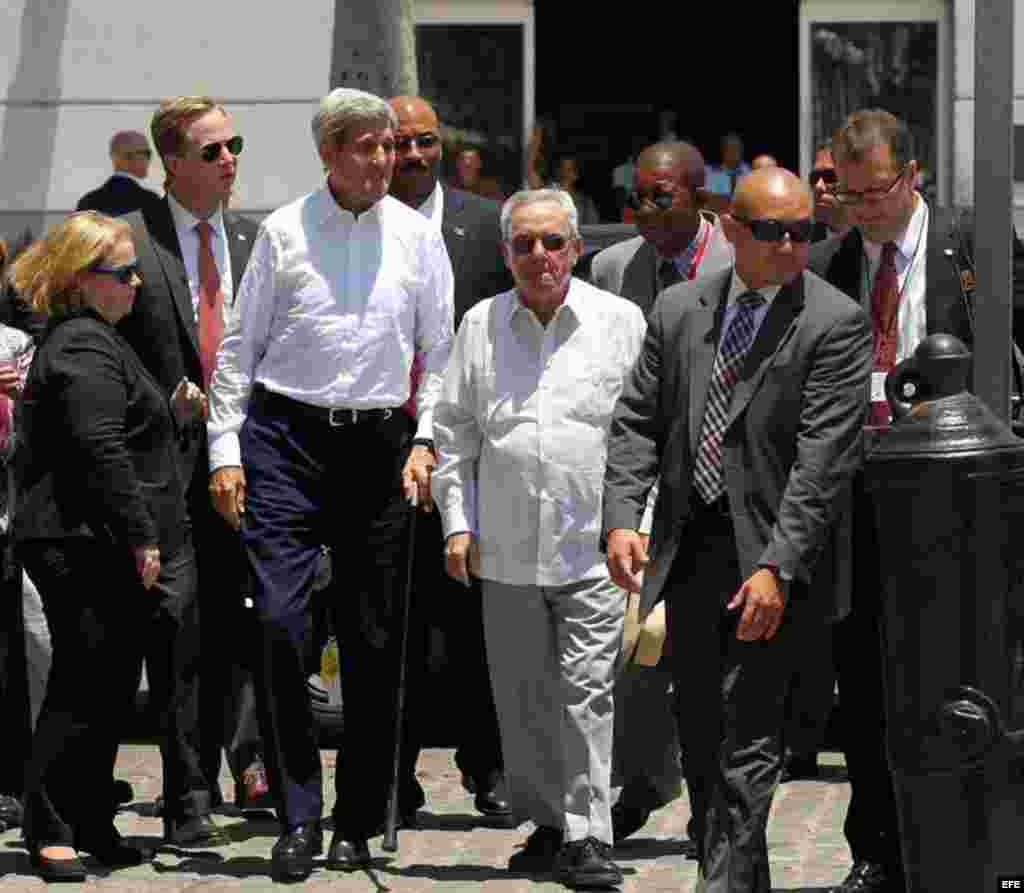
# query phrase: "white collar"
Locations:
[[906, 244], [433, 206], [186, 221]]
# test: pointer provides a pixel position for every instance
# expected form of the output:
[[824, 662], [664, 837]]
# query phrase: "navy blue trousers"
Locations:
[[309, 484]]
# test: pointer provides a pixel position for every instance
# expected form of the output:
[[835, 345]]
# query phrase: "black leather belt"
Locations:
[[335, 417]]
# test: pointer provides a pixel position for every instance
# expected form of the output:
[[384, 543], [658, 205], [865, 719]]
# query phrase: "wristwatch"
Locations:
[[427, 442]]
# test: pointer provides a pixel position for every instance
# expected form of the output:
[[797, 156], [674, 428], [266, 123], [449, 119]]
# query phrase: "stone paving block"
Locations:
[[453, 850]]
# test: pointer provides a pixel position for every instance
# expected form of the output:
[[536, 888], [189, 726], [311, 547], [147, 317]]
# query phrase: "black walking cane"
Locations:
[[390, 842]]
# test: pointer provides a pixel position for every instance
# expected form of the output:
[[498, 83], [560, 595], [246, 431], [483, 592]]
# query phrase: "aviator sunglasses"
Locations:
[[422, 141], [768, 230], [211, 151], [122, 274], [523, 245]]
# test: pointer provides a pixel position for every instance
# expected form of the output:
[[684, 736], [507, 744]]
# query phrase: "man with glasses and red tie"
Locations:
[[192, 252], [893, 262], [748, 402], [520, 429], [123, 192]]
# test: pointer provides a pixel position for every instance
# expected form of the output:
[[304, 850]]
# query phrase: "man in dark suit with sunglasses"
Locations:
[[748, 402], [678, 240], [471, 229], [191, 254], [123, 192]]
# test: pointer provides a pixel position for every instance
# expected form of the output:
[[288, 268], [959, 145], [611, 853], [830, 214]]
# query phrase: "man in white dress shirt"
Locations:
[[308, 445], [520, 430]]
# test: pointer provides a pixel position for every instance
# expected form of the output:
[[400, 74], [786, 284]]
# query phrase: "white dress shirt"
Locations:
[[911, 259], [433, 207], [185, 223], [330, 312], [521, 432]]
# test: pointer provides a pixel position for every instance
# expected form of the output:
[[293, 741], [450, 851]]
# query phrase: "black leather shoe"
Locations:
[[869, 877], [586, 863], [490, 804], [627, 820], [118, 854], [291, 859], [347, 855], [11, 812], [539, 852], [195, 831], [69, 871], [121, 792]]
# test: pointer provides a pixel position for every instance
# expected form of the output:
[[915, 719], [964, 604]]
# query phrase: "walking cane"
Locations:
[[390, 842]]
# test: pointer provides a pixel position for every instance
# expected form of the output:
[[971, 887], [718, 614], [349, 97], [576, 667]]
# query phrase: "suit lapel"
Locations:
[[705, 334], [775, 331], [640, 277], [453, 229], [238, 249], [165, 243]]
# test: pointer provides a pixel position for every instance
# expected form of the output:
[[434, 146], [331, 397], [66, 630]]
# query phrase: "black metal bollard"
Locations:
[[947, 482]]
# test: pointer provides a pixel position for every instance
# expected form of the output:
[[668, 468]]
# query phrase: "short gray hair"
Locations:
[[526, 197], [343, 108]]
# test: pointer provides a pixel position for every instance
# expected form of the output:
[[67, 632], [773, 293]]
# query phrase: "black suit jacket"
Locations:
[[471, 227], [792, 440], [162, 327], [97, 452], [119, 195], [841, 263]]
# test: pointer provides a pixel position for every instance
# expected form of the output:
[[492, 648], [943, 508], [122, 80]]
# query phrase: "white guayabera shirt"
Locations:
[[521, 431]]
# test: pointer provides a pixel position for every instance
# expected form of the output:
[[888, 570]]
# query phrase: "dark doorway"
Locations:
[[603, 75]]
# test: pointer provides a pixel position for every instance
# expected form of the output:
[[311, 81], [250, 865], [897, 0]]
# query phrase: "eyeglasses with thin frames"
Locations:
[[847, 197]]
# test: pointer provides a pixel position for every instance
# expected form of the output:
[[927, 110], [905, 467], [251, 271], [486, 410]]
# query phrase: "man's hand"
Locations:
[[227, 492], [188, 402], [416, 477], [763, 599], [147, 563], [462, 557], [627, 558]]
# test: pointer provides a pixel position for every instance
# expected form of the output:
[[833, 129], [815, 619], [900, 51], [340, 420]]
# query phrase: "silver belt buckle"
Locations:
[[336, 417]]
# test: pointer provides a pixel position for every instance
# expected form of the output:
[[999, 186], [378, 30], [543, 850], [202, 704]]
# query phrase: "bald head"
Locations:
[[683, 158], [413, 108], [417, 150], [768, 252], [763, 160], [768, 188], [130, 153]]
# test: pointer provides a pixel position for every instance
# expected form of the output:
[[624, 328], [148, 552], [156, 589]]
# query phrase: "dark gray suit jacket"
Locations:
[[630, 268], [162, 326], [471, 229], [792, 443], [119, 195]]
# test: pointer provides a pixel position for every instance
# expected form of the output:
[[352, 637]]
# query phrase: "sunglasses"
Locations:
[[211, 151], [826, 174], [123, 274], [523, 245], [422, 141], [767, 230], [661, 199]]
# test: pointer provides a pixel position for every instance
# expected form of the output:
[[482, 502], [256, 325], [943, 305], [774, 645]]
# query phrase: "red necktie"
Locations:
[[885, 305], [211, 304]]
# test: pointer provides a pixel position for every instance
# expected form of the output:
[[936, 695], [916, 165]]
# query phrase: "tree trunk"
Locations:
[[374, 47]]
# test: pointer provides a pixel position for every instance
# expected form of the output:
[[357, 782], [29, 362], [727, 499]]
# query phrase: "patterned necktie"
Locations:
[[885, 305], [211, 304], [707, 470], [668, 273]]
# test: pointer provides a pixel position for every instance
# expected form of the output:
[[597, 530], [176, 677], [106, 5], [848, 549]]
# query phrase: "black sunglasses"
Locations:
[[767, 230], [826, 174], [211, 151], [422, 141], [660, 198], [123, 274], [523, 245]]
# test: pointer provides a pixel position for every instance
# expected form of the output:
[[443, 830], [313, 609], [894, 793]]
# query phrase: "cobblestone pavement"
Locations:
[[453, 849]]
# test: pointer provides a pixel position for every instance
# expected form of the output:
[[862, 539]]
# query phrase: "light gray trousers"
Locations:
[[552, 653]]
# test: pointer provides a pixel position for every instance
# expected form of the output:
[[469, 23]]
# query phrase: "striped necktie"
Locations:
[[707, 470]]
